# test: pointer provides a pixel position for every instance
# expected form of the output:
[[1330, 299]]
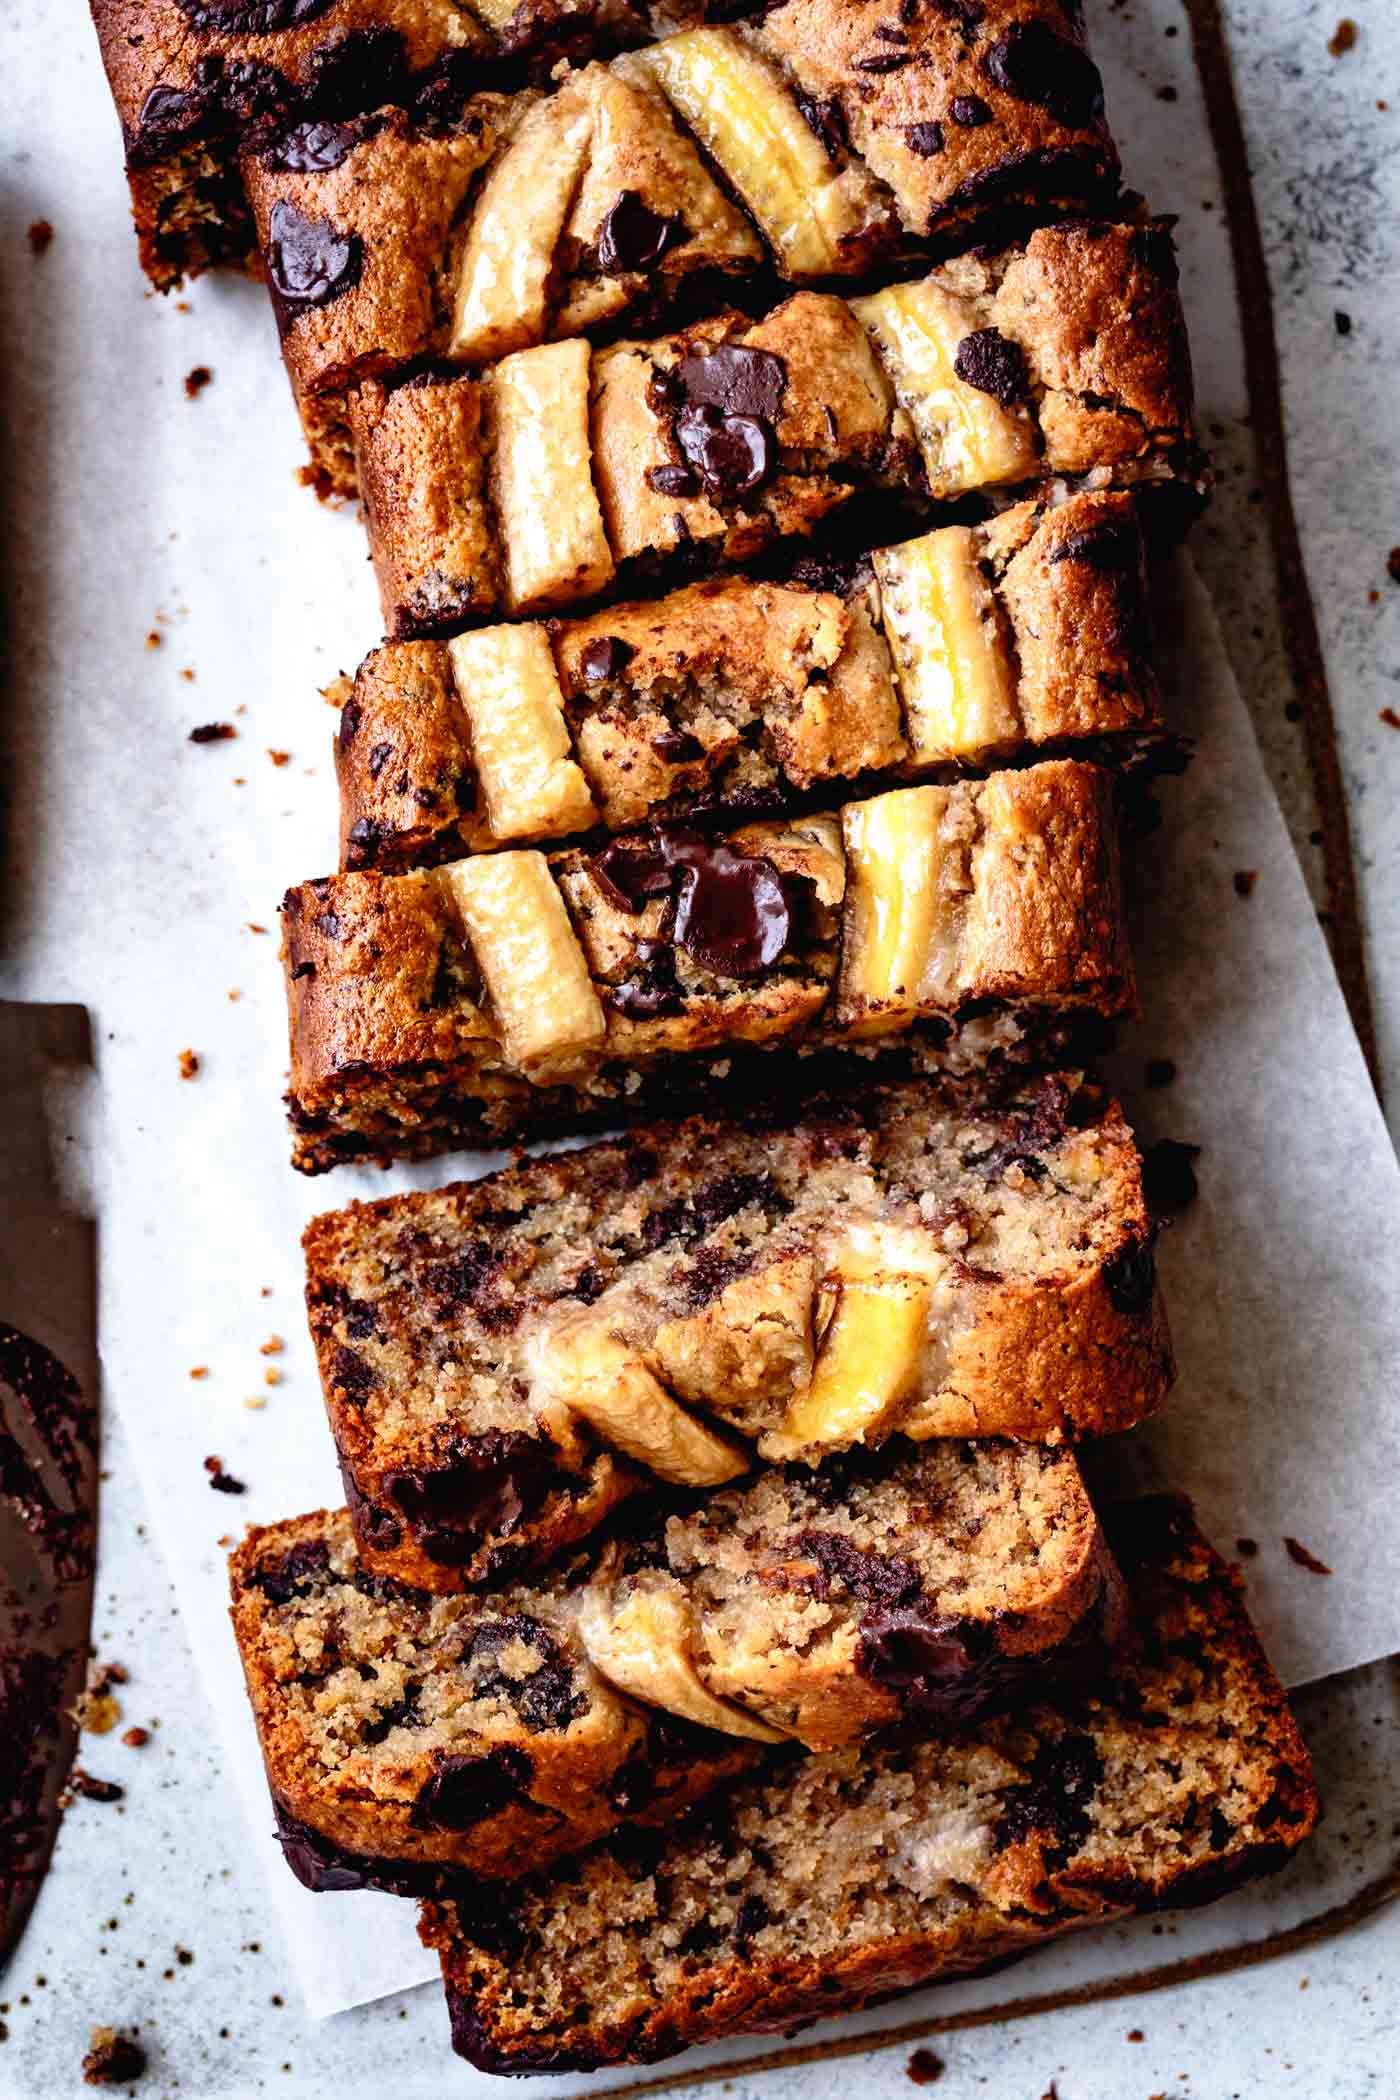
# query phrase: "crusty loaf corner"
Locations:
[[820, 1885]]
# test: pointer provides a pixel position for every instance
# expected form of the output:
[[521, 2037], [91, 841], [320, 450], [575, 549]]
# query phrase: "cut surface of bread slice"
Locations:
[[967, 645], [818, 1885], [735, 440], [409, 1737], [969, 925], [506, 1360]]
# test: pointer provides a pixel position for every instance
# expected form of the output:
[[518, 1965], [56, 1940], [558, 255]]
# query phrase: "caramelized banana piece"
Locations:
[[904, 875], [509, 689], [868, 1364], [639, 1635], [556, 548], [817, 218], [967, 438], [952, 665], [503, 280], [583, 1367], [533, 967]]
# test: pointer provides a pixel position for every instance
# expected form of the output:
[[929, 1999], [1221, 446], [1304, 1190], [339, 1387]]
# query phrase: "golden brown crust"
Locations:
[[732, 690], [392, 1014], [1079, 332], [422, 1307], [1192, 1781]]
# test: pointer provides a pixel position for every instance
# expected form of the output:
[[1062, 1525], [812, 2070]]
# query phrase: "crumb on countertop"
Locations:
[[1390, 718], [1343, 37], [1245, 879], [223, 1483], [253, 927], [1300, 1556], [155, 639], [212, 732], [196, 380], [199, 1371], [1169, 1176], [87, 1788], [1160, 1071], [112, 2058], [189, 1063], [136, 1738], [1247, 1548], [40, 236], [273, 1346]]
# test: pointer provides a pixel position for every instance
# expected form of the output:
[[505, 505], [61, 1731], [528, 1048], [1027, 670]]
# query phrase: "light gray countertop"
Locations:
[[153, 1916]]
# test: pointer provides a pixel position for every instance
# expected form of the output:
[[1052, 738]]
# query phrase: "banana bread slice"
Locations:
[[820, 1884], [565, 472], [505, 1360], [197, 82], [970, 644], [799, 147], [967, 926], [411, 1737]]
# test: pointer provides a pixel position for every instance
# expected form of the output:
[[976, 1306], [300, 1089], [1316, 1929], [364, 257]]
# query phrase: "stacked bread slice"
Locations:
[[764, 418]]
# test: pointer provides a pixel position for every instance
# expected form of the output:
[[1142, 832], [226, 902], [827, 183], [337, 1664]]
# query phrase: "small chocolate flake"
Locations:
[[223, 1483], [1343, 37], [212, 733], [196, 380], [883, 62], [1247, 1548], [925, 139], [40, 236], [924, 2067], [993, 364], [1392, 565], [1341, 322], [91, 1789], [1245, 879], [1389, 717], [1298, 1553], [970, 111], [1160, 1071], [605, 658]]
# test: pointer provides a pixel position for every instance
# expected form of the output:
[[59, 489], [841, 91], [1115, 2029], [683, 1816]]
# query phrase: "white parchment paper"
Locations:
[[138, 866]]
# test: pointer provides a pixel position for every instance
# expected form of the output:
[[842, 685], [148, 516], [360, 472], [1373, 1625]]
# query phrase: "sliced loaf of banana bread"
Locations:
[[965, 646], [505, 1360], [819, 1884], [409, 1737], [961, 927]]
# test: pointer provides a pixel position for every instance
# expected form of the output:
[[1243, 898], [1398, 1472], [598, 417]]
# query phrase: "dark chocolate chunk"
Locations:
[[882, 1579], [678, 747], [652, 988], [549, 1698], [294, 1573], [736, 381], [1034, 65], [487, 1491], [1129, 1277], [993, 364], [606, 658], [826, 119], [379, 757], [313, 148], [732, 455], [1155, 250], [466, 1790], [113, 2059], [634, 237], [970, 111], [308, 262], [932, 1660], [251, 17], [750, 1920], [1116, 543], [1054, 1801], [925, 139], [630, 872], [883, 62], [672, 479], [170, 113], [735, 913]]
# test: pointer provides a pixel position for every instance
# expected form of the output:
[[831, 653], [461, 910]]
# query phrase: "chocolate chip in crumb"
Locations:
[[926, 140], [606, 657], [1032, 64], [308, 261], [827, 120], [634, 237], [993, 364], [970, 111]]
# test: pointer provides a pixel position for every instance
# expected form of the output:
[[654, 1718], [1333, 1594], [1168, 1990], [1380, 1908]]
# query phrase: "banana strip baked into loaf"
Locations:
[[567, 472], [819, 1884], [967, 925], [505, 1360], [812, 143], [409, 1737], [973, 643], [197, 81]]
